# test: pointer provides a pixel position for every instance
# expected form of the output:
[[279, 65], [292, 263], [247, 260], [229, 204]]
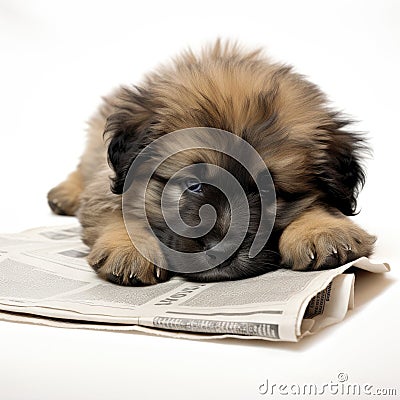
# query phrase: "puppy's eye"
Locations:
[[194, 187]]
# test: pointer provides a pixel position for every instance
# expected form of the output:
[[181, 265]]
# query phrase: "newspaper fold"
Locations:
[[44, 279]]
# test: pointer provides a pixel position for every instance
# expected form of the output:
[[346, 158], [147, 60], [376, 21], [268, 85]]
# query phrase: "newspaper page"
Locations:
[[45, 279]]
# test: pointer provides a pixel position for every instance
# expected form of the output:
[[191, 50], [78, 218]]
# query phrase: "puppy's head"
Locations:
[[309, 155]]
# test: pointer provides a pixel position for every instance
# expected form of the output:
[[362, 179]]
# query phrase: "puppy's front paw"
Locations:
[[323, 243], [119, 262]]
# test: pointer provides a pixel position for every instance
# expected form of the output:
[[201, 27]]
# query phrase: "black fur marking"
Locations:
[[129, 129], [340, 176]]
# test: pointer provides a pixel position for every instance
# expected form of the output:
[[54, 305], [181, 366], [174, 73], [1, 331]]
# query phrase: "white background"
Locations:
[[58, 58]]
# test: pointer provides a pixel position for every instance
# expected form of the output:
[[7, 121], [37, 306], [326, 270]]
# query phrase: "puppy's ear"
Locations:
[[340, 175], [127, 130]]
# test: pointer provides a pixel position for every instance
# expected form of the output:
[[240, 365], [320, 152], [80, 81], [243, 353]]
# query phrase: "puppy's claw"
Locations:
[[311, 255], [157, 271], [160, 274], [119, 280], [98, 264]]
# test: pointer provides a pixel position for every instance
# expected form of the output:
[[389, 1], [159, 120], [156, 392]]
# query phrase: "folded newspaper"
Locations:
[[45, 279]]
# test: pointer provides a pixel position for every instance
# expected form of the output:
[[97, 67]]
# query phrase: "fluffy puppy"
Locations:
[[313, 158]]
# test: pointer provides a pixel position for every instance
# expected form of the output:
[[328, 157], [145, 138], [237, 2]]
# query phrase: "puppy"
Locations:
[[313, 159]]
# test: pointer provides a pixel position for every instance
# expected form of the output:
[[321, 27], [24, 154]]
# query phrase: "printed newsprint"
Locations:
[[45, 279]]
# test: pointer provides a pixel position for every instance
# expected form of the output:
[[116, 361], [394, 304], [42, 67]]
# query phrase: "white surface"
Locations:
[[58, 58]]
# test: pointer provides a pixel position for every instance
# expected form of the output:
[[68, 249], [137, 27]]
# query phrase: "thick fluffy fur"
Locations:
[[312, 156]]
